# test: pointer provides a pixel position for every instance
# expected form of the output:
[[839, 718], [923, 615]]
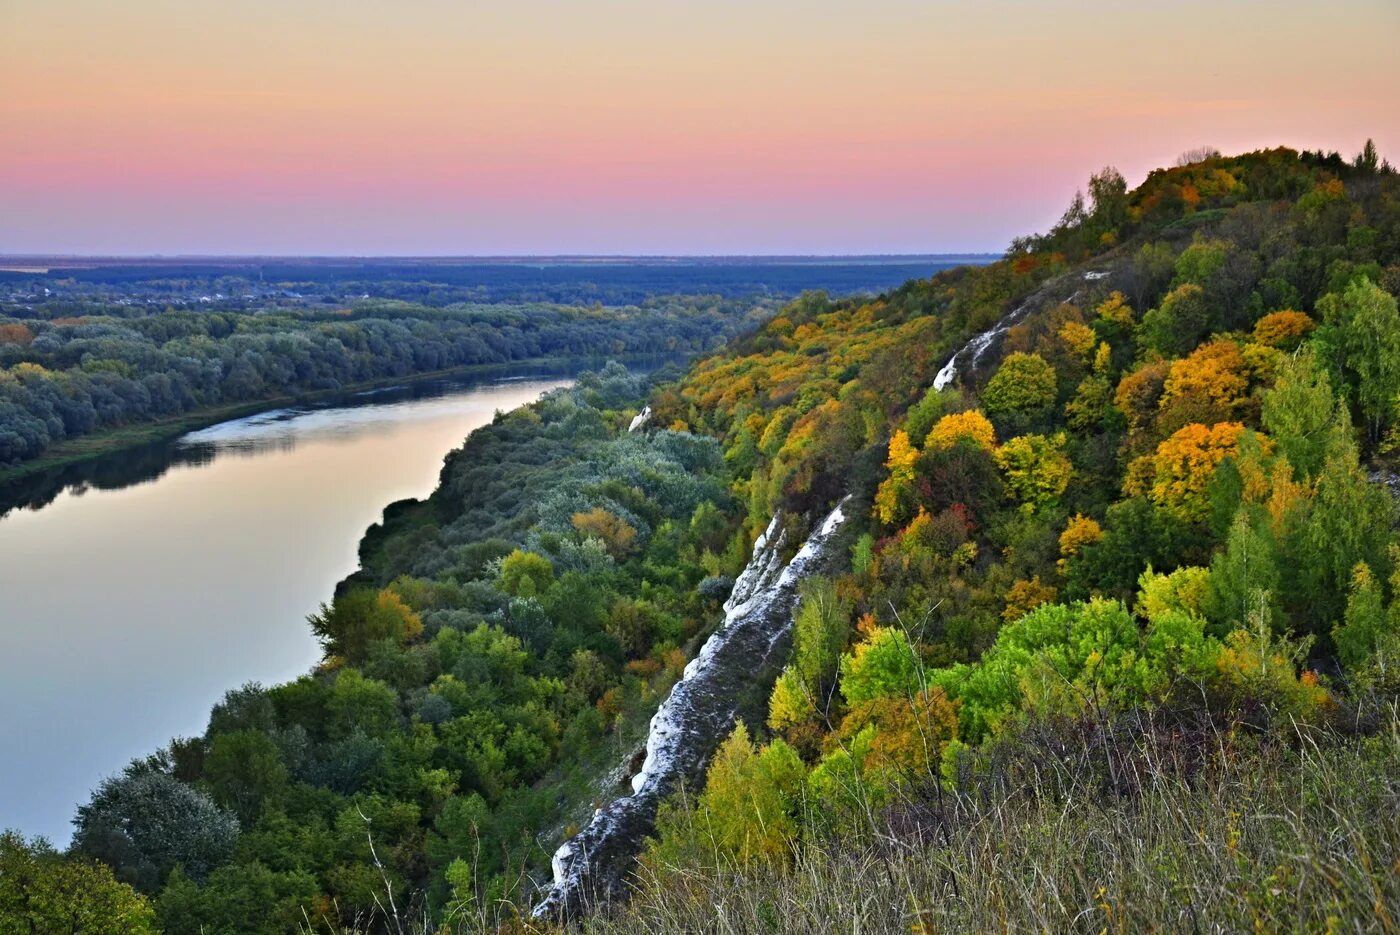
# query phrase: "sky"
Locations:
[[489, 127]]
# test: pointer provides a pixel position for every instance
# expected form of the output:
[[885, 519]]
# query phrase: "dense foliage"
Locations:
[[68, 376], [1156, 494], [1133, 562]]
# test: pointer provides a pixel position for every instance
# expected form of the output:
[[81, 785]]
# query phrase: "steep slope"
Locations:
[[1113, 480]]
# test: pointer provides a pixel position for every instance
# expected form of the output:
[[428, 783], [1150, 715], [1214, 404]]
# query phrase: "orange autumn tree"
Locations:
[[1208, 385], [1139, 393], [1177, 475], [616, 534], [1283, 330]]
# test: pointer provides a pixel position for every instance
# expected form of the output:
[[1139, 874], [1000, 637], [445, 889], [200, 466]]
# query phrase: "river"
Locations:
[[136, 589]]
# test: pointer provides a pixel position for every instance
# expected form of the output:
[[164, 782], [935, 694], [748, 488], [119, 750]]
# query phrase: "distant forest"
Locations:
[[256, 281], [83, 350]]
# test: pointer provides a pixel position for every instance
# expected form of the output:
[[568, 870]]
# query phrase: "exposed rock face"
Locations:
[[971, 352], [690, 724], [1066, 287]]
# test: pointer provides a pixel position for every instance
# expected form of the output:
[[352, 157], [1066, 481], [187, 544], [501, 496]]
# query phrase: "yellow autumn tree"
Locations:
[[1037, 469], [910, 733], [1078, 337], [1079, 532], [1208, 385], [951, 429], [1116, 309], [1025, 596], [893, 499]]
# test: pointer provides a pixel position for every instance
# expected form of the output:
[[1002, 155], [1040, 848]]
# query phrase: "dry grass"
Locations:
[[1136, 826], [1145, 822]]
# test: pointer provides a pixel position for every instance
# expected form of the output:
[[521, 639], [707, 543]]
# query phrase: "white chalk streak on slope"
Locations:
[[691, 721]]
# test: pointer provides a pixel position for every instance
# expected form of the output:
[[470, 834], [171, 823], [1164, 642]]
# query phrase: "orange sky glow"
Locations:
[[535, 126]]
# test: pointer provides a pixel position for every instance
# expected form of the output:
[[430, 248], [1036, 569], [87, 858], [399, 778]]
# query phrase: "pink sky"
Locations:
[[536, 126]]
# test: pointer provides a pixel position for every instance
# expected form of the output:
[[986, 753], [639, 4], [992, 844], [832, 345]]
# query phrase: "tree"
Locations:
[[1365, 625], [884, 664], [1177, 325], [1200, 261], [747, 812], [1284, 330], [144, 823], [1207, 386], [244, 769], [1347, 522], [820, 630], [1139, 393], [1024, 385], [1079, 338], [1115, 310], [525, 574], [894, 497], [616, 534], [1361, 338], [1080, 531], [951, 429], [360, 617], [1108, 198], [1178, 474], [1302, 415], [1245, 575], [1057, 657], [44, 893], [910, 732], [1037, 470]]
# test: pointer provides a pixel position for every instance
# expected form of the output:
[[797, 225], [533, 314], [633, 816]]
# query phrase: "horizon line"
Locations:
[[4, 256]]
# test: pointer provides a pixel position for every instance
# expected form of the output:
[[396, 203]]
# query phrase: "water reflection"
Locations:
[[345, 417], [138, 587]]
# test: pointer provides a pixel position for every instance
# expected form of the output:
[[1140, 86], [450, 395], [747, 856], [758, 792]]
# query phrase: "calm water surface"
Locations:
[[130, 602]]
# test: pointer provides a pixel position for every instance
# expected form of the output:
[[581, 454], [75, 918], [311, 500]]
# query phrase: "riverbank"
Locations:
[[108, 441]]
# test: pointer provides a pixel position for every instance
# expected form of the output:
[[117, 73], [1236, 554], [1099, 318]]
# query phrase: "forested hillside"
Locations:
[[1112, 644]]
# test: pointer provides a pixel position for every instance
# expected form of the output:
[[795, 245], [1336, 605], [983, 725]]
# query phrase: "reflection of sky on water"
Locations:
[[283, 429], [145, 585]]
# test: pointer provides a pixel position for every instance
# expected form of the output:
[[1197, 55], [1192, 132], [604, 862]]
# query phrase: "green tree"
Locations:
[[1302, 415], [1365, 625], [1025, 385], [1037, 470], [360, 617], [525, 574], [1243, 571], [747, 812], [1177, 325], [44, 893], [244, 770], [1361, 335], [1348, 521], [884, 664], [144, 823]]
